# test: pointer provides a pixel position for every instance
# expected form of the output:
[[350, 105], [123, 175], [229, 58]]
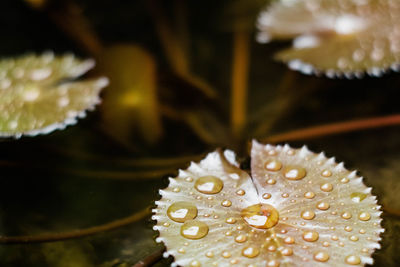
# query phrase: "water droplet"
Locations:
[[271, 181], [326, 173], [307, 215], [353, 238], [166, 224], [362, 231], [195, 263], [231, 220], [250, 252], [323, 206], [334, 238], [285, 195], [348, 228], [240, 192], [189, 179], [234, 261], [344, 180], [287, 251], [31, 94], [182, 211], [194, 229], [228, 233], [327, 187], [266, 196], [241, 238], [273, 263], [273, 165], [364, 216], [226, 203], [176, 189], [321, 256], [260, 216], [294, 173], [40, 74], [209, 185], [310, 236], [353, 260], [326, 244], [357, 197], [181, 250], [346, 215], [226, 254], [209, 254], [288, 240], [309, 195]]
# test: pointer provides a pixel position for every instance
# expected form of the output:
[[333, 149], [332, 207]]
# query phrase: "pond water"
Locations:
[[178, 60]]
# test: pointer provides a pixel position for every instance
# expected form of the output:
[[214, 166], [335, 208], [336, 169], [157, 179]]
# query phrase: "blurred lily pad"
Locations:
[[39, 93]]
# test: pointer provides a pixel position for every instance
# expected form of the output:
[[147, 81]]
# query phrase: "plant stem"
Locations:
[[51, 237], [125, 161], [334, 128], [151, 259], [175, 50], [240, 73]]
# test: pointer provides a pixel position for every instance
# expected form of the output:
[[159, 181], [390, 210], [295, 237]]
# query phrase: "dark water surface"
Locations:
[[85, 176]]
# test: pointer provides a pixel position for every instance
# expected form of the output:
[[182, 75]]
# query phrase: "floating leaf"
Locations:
[[338, 38], [297, 208], [38, 94]]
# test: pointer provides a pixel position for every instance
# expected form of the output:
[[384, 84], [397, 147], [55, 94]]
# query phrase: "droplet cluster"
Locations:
[[38, 94], [297, 207]]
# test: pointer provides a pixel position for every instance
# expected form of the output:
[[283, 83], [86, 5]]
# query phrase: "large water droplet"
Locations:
[[357, 197], [308, 215], [326, 173], [364, 216], [266, 196], [323, 205], [353, 260], [309, 195], [287, 251], [321, 256], [182, 211], [273, 263], [310, 236], [289, 240], [194, 229], [260, 216], [226, 254], [226, 203], [209, 185], [250, 252], [346, 215], [327, 187], [273, 165], [240, 192], [241, 238], [294, 172], [231, 220], [195, 263]]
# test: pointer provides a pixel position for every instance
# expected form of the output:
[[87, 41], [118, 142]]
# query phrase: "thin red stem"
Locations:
[[335, 128], [51, 237]]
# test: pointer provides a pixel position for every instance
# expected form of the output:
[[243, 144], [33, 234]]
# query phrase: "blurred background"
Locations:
[[186, 77]]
